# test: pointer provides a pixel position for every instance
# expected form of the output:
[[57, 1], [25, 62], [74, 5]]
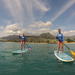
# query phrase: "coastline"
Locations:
[[69, 42], [42, 42]]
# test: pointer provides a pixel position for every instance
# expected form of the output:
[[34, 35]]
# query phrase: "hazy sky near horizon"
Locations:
[[37, 16]]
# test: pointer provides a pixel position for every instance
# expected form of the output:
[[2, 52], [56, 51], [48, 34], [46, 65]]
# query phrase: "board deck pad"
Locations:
[[19, 51], [63, 56]]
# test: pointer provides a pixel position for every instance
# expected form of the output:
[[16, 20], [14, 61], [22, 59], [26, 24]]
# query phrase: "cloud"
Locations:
[[1, 28], [15, 8], [39, 31], [54, 32], [66, 33], [69, 33], [41, 24], [41, 5], [63, 9], [39, 27], [15, 29], [12, 29], [22, 11]]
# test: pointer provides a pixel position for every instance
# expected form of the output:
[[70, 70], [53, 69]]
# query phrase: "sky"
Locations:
[[37, 16]]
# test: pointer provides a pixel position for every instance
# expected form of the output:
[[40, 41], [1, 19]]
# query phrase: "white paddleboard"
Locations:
[[63, 56], [20, 51]]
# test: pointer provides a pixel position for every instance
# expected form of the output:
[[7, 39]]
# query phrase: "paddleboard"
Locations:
[[63, 56], [19, 51]]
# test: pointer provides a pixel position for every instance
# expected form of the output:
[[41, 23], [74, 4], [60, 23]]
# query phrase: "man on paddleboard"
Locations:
[[60, 38], [23, 40]]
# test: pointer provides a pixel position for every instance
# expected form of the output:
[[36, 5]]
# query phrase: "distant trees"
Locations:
[[70, 40]]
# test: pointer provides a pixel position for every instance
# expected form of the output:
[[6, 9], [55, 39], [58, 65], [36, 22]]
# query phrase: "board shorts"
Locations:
[[23, 41], [60, 43]]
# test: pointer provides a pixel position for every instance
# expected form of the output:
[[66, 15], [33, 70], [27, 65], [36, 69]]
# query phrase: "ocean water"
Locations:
[[38, 61]]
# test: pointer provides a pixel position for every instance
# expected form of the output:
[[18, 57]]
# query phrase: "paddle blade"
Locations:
[[72, 52], [29, 47]]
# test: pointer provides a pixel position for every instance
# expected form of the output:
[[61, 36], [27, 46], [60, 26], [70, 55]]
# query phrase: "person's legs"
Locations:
[[21, 44], [58, 46], [62, 47], [24, 44]]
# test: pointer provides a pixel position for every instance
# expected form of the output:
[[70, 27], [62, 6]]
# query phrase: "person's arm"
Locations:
[[25, 38], [19, 37], [57, 36], [62, 37]]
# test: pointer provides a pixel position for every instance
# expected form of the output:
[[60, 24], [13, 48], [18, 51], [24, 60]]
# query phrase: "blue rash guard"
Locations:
[[60, 37], [22, 37]]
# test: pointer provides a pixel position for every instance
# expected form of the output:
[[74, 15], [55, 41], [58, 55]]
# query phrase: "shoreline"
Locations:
[[69, 42], [46, 43]]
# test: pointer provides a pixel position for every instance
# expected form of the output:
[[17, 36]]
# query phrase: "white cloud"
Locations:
[[66, 33], [39, 31], [15, 9], [63, 9], [40, 5], [11, 29], [1, 27], [41, 24], [69, 33], [54, 32], [15, 29], [39, 27], [22, 11]]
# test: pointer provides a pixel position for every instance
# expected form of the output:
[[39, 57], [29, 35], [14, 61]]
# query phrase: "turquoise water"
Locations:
[[39, 61]]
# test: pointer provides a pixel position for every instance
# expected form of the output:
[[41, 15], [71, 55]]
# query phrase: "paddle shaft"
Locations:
[[67, 47], [28, 46], [71, 52]]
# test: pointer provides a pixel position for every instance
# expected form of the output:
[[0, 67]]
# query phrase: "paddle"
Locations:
[[67, 47], [29, 47], [72, 52]]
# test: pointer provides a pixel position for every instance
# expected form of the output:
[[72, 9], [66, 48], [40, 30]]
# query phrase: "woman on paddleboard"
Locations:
[[23, 40], [60, 38]]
